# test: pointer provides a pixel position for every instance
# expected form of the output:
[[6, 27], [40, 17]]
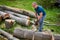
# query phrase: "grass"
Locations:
[[26, 4]]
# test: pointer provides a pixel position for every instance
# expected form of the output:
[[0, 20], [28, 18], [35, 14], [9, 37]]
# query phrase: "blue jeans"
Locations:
[[41, 23]]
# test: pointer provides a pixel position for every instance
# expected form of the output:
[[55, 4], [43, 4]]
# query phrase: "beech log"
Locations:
[[19, 15], [21, 21], [7, 35], [9, 23], [22, 33], [21, 11], [4, 15]]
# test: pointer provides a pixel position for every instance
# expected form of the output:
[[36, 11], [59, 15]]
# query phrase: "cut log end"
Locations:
[[28, 18], [9, 23], [6, 16], [28, 22]]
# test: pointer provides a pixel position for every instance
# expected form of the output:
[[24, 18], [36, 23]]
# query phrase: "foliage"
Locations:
[[46, 3]]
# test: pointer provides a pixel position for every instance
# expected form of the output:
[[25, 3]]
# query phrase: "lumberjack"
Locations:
[[40, 15]]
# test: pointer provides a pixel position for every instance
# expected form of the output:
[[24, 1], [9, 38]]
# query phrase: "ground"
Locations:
[[26, 4]]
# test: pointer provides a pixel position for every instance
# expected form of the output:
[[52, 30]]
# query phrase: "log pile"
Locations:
[[9, 23], [22, 33], [21, 11], [19, 20], [22, 17]]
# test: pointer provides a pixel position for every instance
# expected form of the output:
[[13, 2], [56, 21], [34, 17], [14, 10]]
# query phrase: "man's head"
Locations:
[[34, 4]]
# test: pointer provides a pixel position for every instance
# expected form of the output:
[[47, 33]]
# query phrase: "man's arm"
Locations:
[[40, 16]]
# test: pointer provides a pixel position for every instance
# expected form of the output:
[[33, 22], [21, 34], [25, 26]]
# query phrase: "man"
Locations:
[[40, 14]]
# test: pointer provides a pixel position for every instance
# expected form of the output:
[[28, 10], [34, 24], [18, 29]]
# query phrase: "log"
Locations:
[[19, 15], [7, 35], [23, 33], [9, 23], [0, 18], [4, 15], [21, 11], [28, 34], [21, 21]]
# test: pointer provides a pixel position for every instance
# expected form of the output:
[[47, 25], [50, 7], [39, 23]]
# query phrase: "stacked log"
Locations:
[[4, 15], [21, 11], [21, 21], [7, 35], [9, 23], [19, 15], [22, 33]]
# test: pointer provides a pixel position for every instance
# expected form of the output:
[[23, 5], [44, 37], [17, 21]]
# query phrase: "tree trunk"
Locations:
[[9, 36], [21, 11], [9, 23], [21, 33], [4, 15], [19, 15], [0, 18], [22, 21]]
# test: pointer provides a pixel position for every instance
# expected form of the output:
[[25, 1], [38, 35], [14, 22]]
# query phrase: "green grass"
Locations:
[[27, 4]]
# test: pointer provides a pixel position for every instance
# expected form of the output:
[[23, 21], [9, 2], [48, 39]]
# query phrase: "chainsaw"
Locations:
[[34, 24]]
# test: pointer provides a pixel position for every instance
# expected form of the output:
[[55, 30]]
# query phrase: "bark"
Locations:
[[21, 21], [7, 35], [22, 33], [21, 11], [9, 23], [4, 15], [19, 15]]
